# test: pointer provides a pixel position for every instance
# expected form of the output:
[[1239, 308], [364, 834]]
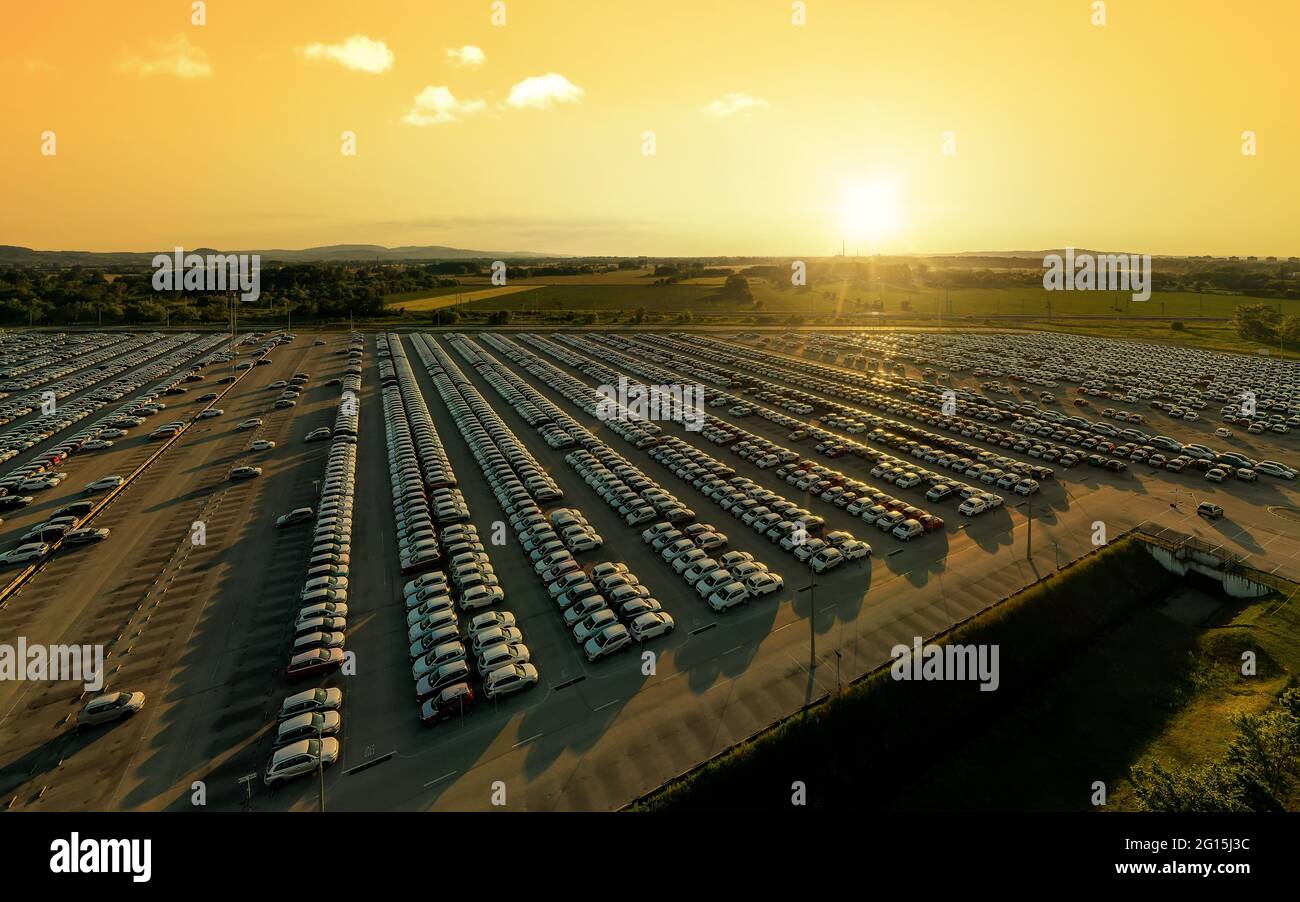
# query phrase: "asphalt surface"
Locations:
[[203, 629]]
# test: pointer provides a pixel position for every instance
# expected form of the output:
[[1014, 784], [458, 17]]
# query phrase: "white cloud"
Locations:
[[358, 53], [437, 105], [733, 103], [543, 91], [176, 57], [469, 56]]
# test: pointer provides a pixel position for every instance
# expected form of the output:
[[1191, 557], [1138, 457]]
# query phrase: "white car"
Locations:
[[262, 444], [826, 559], [301, 758], [24, 554], [607, 641], [763, 583], [490, 620], [96, 444], [109, 707], [100, 485], [481, 597], [245, 472], [250, 424], [592, 624], [855, 549], [650, 625], [209, 413], [1273, 468], [508, 679], [728, 597], [973, 506]]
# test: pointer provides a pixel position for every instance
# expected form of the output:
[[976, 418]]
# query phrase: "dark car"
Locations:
[[455, 700], [77, 509], [298, 515], [13, 502]]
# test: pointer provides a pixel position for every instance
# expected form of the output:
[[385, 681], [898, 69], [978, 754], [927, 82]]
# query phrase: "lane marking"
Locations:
[[526, 741]]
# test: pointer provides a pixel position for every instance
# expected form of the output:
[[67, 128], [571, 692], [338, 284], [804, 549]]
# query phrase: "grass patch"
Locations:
[[437, 298]]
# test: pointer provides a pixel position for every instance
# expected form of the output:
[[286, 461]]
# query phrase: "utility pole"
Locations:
[[1029, 534], [811, 589], [247, 782], [320, 760]]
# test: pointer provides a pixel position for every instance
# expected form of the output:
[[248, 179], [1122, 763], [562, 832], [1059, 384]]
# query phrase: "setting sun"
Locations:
[[869, 210]]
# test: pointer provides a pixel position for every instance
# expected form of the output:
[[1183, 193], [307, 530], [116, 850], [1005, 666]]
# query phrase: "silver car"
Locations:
[[110, 707]]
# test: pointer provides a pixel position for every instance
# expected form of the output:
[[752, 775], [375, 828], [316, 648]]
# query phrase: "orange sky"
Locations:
[[770, 137]]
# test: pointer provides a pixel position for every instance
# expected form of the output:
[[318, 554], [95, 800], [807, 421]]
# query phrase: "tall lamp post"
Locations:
[[1029, 534], [320, 759]]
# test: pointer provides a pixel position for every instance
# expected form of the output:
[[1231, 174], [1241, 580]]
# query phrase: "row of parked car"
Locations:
[[791, 528], [492, 644], [65, 526], [425, 494], [598, 607], [683, 551], [865, 391], [36, 474], [608, 595], [70, 377], [456, 573], [1177, 377], [309, 722], [821, 482], [852, 421], [779, 519], [1260, 410]]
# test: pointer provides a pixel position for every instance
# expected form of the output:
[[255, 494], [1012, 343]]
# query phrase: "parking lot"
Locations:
[[522, 589]]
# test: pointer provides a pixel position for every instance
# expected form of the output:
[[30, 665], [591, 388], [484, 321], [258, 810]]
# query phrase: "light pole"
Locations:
[[811, 589], [247, 782], [1029, 534], [320, 759]]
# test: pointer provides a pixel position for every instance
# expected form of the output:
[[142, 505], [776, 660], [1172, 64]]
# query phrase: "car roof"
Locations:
[[104, 700], [302, 747], [305, 719]]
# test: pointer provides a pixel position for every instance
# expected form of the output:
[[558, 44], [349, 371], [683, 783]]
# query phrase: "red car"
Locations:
[[450, 702], [318, 660], [930, 523]]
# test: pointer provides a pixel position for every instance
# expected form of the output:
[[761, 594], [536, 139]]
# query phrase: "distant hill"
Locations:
[[334, 253]]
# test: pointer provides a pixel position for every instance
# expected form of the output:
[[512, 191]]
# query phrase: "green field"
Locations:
[[705, 298], [619, 299]]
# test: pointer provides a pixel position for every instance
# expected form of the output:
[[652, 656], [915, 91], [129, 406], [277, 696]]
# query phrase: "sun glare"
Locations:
[[869, 210]]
